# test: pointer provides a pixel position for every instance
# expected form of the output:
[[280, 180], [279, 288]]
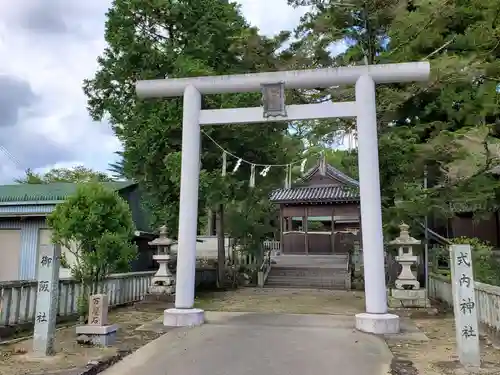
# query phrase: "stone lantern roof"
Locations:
[[163, 240], [404, 237]]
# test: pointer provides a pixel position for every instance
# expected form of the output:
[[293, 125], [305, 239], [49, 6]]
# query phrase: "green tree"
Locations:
[[78, 174], [249, 222], [30, 177], [118, 168], [447, 125], [95, 225], [359, 26], [183, 38], [344, 160], [337, 33]]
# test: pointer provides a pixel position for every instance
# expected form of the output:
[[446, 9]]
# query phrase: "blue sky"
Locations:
[[48, 47]]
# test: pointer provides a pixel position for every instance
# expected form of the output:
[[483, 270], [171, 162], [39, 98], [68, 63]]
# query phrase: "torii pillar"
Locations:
[[376, 319]]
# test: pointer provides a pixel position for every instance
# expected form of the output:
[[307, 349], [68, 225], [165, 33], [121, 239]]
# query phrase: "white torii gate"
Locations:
[[376, 319]]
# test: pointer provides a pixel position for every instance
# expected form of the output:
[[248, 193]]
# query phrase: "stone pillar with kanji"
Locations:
[[465, 307], [97, 332], [47, 297]]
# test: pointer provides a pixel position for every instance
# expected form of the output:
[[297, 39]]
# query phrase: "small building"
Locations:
[[463, 222], [23, 212], [320, 214]]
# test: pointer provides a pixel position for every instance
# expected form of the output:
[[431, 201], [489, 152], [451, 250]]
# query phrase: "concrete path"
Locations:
[[267, 344]]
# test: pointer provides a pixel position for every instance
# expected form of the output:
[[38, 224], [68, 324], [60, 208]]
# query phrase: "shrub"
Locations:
[[486, 267]]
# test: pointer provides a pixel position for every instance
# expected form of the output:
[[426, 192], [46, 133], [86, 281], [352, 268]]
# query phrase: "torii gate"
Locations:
[[376, 319]]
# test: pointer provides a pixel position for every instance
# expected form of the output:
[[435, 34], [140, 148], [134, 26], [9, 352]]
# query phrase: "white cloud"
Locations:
[[52, 45], [271, 19], [54, 62]]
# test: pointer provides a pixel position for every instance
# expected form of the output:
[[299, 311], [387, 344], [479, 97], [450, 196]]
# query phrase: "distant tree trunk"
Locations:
[[221, 248]]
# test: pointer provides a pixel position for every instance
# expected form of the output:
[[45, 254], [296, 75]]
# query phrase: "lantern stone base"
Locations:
[[183, 317], [379, 324], [163, 293], [98, 335], [162, 289], [408, 298], [402, 283]]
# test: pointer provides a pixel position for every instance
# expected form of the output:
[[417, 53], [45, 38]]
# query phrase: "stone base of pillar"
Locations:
[[183, 317], [379, 324], [401, 298], [98, 335]]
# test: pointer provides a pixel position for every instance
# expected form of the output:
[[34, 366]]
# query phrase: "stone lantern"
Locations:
[[163, 282], [407, 288]]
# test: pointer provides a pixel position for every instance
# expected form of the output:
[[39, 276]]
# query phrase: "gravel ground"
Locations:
[[438, 355], [71, 358], [434, 357], [287, 301]]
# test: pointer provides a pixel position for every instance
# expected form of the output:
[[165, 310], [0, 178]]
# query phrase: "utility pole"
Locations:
[[426, 245]]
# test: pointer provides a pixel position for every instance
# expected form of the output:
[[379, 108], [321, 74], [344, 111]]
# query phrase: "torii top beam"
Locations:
[[294, 79]]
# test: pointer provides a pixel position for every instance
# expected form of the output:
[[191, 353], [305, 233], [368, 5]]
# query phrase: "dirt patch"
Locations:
[[291, 301], [73, 359], [402, 366], [438, 355]]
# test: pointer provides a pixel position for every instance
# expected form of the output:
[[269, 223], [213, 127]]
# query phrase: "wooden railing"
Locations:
[[241, 258], [18, 298], [264, 269], [487, 300], [273, 246]]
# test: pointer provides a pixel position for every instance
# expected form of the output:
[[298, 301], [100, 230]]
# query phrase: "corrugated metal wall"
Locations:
[[19, 210], [29, 243]]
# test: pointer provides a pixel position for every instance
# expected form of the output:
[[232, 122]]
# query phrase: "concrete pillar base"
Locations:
[[379, 324], [183, 317]]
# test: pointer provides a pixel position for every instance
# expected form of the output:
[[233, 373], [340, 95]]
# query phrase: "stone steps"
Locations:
[[301, 261], [321, 277], [306, 284], [319, 272]]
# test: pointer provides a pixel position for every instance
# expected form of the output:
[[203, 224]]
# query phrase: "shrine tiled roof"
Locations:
[[339, 189], [331, 172], [316, 194]]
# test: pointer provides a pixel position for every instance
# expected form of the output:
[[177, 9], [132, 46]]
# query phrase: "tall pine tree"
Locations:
[[182, 38], [449, 125]]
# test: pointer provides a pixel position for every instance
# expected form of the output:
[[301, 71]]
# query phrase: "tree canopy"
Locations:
[[448, 126], [95, 225], [118, 168], [446, 129], [183, 38], [452, 120], [78, 174]]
